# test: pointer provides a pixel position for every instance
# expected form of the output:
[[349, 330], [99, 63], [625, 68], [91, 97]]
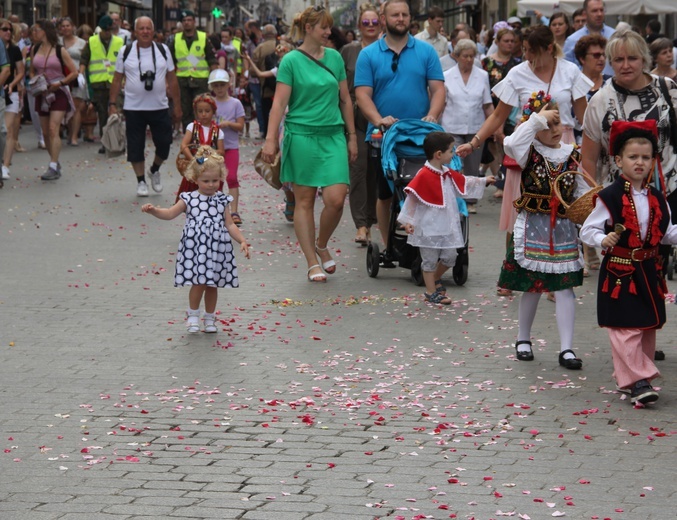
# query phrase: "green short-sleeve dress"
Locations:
[[314, 147]]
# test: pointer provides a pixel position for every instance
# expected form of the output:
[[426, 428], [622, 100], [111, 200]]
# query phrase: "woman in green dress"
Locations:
[[311, 81]]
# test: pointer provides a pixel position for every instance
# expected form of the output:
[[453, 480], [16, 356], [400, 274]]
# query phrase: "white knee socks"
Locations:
[[527, 312], [565, 310]]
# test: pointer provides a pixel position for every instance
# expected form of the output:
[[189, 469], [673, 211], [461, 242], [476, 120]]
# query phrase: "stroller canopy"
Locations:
[[405, 139]]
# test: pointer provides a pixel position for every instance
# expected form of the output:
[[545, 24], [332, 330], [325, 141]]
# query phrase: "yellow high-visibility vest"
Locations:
[[198, 66], [102, 63], [237, 43]]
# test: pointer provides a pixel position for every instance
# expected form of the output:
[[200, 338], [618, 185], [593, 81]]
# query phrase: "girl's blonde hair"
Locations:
[[311, 15], [205, 159]]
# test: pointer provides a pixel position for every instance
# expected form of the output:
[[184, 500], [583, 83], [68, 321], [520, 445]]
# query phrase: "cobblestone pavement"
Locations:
[[346, 400]]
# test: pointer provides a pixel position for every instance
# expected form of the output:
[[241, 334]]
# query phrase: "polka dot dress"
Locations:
[[205, 255]]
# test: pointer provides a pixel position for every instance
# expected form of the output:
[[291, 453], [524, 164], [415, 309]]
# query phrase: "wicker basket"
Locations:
[[182, 163], [579, 209]]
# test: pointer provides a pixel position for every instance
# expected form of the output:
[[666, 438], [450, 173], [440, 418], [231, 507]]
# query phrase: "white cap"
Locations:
[[218, 76], [514, 19]]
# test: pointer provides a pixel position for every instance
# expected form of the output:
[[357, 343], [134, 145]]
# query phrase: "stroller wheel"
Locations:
[[373, 259], [417, 272], [460, 270], [460, 274]]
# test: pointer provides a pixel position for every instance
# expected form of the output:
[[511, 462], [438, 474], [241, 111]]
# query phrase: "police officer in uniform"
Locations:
[[194, 57], [97, 64]]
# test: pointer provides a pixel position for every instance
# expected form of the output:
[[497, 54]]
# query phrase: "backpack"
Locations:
[[65, 70], [128, 49]]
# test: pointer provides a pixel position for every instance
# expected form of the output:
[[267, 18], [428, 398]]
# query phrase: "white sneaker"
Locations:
[[210, 323], [142, 189], [5, 173], [155, 181]]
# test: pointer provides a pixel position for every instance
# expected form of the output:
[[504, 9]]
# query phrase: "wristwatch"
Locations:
[[111, 104]]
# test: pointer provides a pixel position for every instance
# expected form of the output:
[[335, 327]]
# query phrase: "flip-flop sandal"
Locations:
[[361, 238], [500, 291]]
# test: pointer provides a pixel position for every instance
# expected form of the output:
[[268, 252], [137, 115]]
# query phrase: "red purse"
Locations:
[[510, 163]]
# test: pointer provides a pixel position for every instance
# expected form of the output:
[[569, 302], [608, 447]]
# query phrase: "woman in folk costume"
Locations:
[[544, 255], [630, 220]]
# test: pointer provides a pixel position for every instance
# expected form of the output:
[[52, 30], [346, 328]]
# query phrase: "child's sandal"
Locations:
[[439, 287], [236, 219], [437, 298], [289, 210]]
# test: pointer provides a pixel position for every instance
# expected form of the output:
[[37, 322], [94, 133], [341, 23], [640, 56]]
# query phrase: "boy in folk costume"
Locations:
[[630, 219], [430, 212]]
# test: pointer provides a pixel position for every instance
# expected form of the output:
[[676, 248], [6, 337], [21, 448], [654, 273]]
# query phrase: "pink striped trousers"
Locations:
[[632, 351]]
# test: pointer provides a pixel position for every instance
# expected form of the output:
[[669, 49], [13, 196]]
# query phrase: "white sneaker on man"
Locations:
[[142, 189], [5, 173], [155, 181]]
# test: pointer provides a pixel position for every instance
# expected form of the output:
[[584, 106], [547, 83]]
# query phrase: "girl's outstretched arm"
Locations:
[[236, 233], [165, 213]]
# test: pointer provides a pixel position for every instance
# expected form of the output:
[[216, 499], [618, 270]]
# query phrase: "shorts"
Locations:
[[160, 129], [374, 168], [60, 103], [15, 107], [430, 258], [247, 114]]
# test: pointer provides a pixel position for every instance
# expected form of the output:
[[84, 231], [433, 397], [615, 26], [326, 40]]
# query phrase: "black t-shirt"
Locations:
[[14, 56]]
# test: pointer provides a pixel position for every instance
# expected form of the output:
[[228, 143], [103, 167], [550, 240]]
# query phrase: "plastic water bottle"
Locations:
[[376, 139]]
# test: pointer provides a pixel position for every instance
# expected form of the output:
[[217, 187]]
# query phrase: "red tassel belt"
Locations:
[[636, 255]]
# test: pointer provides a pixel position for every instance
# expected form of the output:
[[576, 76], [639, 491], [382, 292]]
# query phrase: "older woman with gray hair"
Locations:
[[468, 103]]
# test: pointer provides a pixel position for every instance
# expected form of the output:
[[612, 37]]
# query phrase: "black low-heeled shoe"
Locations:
[[571, 364], [524, 355]]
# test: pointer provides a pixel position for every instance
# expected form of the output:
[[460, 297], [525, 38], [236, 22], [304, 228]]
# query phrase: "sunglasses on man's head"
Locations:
[[395, 63], [373, 21]]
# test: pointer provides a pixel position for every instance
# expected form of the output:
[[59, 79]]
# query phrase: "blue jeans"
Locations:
[[255, 89]]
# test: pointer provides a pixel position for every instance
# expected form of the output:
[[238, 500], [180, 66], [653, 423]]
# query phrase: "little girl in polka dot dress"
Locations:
[[205, 260]]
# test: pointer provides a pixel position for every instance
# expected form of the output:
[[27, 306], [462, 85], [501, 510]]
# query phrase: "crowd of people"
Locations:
[[531, 104]]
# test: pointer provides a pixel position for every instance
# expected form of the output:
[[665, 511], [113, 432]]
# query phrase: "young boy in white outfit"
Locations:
[[430, 212]]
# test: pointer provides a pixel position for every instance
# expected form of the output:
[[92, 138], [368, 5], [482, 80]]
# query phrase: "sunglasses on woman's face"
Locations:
[[373, 21], [5, 29], [596, 55]]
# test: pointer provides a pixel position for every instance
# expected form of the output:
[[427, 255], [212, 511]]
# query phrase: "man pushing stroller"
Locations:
[[430, 213]]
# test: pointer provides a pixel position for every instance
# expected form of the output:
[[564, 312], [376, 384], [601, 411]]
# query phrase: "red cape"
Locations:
[[427, 186]]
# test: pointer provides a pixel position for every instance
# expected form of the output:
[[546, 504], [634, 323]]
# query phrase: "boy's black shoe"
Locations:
[[643, 392], [659, 355]]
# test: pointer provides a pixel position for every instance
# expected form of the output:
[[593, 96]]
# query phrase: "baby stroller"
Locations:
[[402, 156]]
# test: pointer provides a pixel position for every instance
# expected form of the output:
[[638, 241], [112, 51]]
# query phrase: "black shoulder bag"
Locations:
[[320, 64]]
